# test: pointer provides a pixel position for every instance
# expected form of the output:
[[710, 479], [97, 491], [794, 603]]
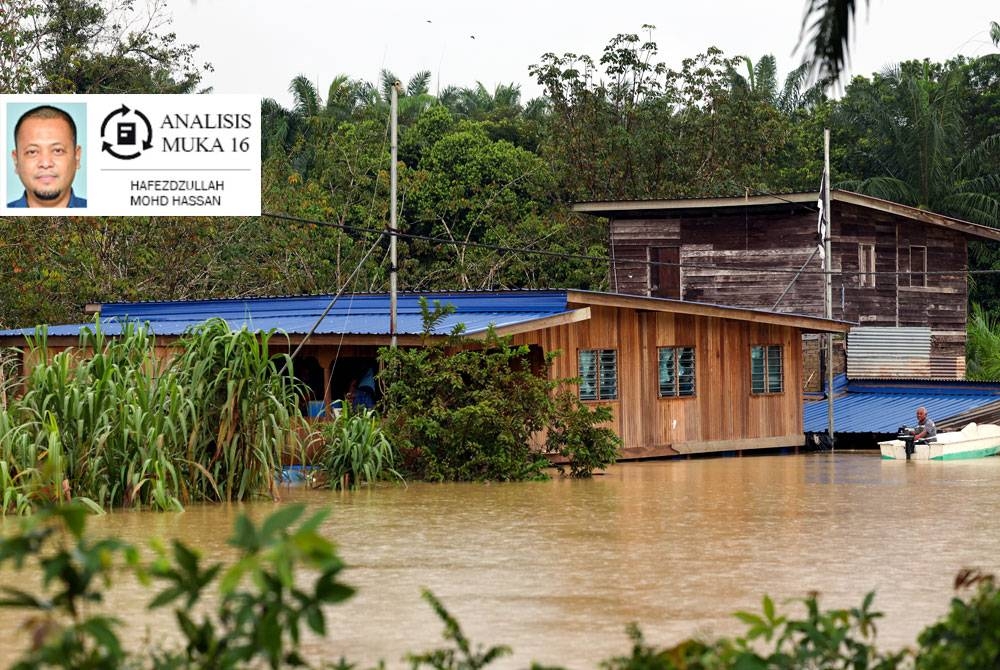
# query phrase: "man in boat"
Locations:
[[925, 430]]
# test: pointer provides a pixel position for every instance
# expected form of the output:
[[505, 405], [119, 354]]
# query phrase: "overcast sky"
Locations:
[[258, 46]]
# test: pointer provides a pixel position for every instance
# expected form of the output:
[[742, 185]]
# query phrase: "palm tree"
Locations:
[[478, 103], [826, 28], [924, 162], [761, 80], [761, 83]]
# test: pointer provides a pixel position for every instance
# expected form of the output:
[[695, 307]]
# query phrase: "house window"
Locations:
[[918, 266], [598, 374], [766, 374], [866, 265], [676, 372]]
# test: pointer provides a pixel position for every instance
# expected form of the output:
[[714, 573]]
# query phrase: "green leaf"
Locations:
[[281, 520]]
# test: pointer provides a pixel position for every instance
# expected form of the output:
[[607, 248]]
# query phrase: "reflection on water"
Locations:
[[558, 569]]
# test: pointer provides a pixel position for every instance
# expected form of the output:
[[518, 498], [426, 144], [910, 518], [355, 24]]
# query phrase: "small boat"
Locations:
[[973, 441]]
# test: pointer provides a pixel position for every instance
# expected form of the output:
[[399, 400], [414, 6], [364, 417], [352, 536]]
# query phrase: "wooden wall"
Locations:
[[728, 254], [722, 416]]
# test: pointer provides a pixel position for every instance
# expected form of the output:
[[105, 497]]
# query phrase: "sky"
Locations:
[[258, 46]]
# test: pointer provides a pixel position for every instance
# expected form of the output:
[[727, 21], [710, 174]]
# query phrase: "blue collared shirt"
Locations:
[[74, 201]]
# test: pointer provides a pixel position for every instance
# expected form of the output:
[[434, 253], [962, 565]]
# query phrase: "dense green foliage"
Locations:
[[484, 177], [254, 611], [467, 410], [93, 46], [259, 613], [982, 355], [111, 424]]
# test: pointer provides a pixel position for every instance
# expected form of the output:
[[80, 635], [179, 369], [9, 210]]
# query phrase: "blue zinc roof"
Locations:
[[881, 407], [356, 314]]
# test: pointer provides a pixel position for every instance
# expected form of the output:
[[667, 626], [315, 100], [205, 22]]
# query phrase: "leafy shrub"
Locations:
[[465, 410], [260, 612], [969, 635], [576, 433]]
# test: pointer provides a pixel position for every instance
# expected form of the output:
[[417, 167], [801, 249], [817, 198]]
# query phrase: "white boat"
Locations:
[[973, 441]]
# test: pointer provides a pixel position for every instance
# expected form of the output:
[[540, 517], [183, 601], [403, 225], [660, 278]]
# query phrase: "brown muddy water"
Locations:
[[558, 569]]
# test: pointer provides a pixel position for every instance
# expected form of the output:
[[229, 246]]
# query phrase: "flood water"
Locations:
[[558, 569]]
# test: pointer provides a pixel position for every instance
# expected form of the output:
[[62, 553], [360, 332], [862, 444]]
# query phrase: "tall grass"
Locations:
[[246, 407], [112, 424], [356, 451]]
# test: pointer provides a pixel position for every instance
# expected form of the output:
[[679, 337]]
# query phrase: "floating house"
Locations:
[[681, 377]]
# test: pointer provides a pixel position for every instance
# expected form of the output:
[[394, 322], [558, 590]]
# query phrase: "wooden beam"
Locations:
[[715, 446], [574, 316], [810, 324]]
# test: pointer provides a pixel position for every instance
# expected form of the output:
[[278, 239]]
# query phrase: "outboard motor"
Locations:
[[905, 433]]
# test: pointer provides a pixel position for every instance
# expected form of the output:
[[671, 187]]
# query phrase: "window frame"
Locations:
[[866, 265], [772, 363], [604, 373], [677, 382], [922, 273]]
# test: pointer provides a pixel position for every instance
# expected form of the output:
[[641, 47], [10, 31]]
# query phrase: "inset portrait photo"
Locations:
[[47, 156]]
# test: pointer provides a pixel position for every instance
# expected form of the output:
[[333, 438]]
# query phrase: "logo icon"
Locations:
[[127, 126]]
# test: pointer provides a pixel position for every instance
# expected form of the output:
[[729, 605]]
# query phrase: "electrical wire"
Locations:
[[602, 259]]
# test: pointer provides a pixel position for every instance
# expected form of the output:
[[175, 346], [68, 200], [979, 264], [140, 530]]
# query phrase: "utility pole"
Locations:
[[828, 274], [394, 112]]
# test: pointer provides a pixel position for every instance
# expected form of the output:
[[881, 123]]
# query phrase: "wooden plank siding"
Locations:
[[723, 415], [728, 255]]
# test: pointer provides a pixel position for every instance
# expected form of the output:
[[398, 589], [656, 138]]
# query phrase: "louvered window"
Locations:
[[677, 376], [598, 374], [766, 373]]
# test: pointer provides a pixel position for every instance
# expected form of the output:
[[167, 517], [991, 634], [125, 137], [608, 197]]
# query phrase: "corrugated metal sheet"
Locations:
[[360, 314], [881, 407], [881, 353]]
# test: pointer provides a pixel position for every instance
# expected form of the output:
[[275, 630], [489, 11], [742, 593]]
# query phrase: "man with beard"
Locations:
[[46, 158]]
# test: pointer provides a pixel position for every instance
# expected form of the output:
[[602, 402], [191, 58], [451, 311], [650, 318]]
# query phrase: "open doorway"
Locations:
[[353, 379]]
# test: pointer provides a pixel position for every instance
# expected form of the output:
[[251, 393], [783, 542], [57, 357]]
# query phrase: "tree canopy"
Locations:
[[485, 177]]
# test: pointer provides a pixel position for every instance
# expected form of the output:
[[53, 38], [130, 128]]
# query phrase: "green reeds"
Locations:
[[356, 451], [112, 424], [246, 404]]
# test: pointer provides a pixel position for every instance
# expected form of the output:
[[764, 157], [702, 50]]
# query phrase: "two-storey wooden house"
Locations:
[[900, 273]]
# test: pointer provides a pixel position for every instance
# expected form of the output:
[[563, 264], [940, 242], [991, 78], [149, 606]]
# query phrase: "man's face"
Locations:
[[46, 159], [921, 416]]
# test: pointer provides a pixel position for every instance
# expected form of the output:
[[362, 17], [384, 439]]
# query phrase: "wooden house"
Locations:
[[898, 272], [680, 377]]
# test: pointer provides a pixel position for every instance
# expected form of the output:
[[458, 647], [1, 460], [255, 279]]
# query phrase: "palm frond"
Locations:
[[419, 83], [886, 188], [827, 27], [305, 96]]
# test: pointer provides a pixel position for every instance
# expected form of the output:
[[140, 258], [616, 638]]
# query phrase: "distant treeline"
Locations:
[[485, 178]]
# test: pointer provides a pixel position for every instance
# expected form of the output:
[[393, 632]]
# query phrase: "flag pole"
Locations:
[[828, 274]]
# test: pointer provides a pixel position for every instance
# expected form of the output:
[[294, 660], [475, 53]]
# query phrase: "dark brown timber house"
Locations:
[[900, 273]]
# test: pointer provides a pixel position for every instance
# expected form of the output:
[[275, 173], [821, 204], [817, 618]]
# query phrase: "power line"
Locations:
[[606, 259]]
